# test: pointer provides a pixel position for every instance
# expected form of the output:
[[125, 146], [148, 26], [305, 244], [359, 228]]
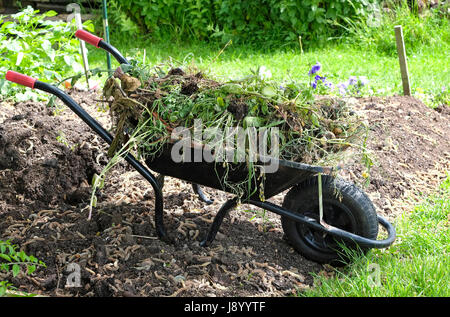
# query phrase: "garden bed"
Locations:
[[46, 167]]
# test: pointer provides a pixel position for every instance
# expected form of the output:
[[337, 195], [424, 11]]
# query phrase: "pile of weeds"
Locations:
[[148, 105]]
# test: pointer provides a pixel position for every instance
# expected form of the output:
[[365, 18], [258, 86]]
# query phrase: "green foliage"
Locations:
[[120, 24], [189, 18], [269, 21], [442, 98], [4, 287], [14, 261], [40, 48]]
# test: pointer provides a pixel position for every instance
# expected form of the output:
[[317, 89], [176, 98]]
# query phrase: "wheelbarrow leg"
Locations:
[[196, 188], [159, 213], [227, 206], [160, 180]]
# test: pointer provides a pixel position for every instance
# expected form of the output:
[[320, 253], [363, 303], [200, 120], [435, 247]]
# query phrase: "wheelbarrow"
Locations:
[[321, 215]]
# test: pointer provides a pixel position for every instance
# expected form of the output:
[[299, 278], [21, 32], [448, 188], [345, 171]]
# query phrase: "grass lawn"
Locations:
[[429, 67]]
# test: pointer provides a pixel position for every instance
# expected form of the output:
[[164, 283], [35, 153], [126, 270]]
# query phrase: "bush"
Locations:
[[253, 21]]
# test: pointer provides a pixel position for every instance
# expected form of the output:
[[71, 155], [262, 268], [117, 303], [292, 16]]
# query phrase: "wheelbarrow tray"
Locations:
[[222, 176]]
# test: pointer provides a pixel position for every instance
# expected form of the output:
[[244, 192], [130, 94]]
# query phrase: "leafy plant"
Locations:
[[119, 22], [255, 21], [37, 47], [12, 260]]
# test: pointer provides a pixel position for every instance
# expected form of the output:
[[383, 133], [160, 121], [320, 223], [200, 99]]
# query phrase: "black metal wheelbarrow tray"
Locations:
[[321, 215]]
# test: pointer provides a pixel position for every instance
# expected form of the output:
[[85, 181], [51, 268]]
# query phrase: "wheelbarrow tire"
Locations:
[[345, 206]]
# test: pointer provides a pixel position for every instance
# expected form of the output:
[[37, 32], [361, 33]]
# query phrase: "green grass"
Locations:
[[416, 265], [429, 68]]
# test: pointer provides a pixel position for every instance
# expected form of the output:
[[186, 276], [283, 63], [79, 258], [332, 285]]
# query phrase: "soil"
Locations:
[[238, 109], [47, 162]]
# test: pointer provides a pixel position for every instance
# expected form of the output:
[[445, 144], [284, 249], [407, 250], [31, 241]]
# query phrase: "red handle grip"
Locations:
[[20, 79], [88, 37]]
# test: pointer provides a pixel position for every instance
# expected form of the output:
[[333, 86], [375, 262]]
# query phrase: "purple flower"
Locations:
[[314, 69], [352, 80], [317, 78], [363, 80], [342, 88], [328, 84], [343, 85]]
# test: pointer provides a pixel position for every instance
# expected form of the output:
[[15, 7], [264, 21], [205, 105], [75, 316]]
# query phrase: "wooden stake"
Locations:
[[83, 48], [300, 44], [402, 59], [74, 7]]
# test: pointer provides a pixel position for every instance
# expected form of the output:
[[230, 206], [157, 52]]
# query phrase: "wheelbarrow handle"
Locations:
[[100, 43], [20, 79], [88, 37], [27, 81]]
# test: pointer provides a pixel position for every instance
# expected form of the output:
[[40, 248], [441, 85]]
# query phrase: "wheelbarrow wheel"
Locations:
[[345, 206]]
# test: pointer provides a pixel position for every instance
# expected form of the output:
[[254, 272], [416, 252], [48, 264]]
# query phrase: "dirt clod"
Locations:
[[238, 109], [189, 88], [176, 71]]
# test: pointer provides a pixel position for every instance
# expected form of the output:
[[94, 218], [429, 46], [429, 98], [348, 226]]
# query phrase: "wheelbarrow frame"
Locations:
[[158, 165]]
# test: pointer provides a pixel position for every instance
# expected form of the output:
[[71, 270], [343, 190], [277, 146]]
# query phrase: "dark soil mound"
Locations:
[[42, 162]]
